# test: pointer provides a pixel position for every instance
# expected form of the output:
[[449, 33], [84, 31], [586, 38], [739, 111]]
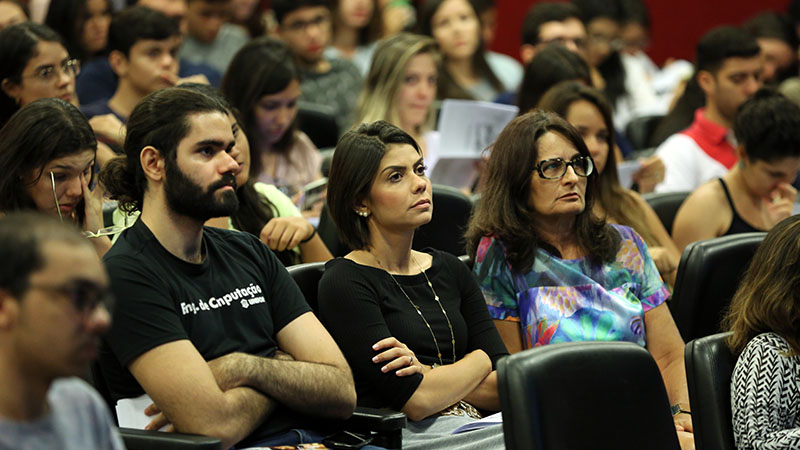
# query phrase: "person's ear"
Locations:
[[118, 62], [9, 309], [706, 81], [741, 152], [152, 162], [11, 89], [362, 208], [526, 53]]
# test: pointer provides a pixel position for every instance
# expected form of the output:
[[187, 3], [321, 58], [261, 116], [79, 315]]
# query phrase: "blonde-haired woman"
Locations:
[[400, 88]]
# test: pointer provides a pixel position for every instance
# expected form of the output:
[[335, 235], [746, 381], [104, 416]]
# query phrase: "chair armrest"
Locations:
[[372, 419], [157, 440], [384, 425]]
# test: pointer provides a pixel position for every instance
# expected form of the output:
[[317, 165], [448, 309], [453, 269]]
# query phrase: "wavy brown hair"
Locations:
[[504, 210], [768, 298], [619, 204]]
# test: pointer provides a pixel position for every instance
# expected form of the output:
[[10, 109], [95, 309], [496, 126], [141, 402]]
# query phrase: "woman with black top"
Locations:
[[757, 193], [413, 325]]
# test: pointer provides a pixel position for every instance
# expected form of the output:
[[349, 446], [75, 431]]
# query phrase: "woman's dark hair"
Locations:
[[355, 164], [41, 131], [67, 18], [617, 202], [550, 66], [682, 114], [160, 120], [262, 67], [448, 87], [17, 47], [768, 125], [255, 210], [768, 298], [504, 210]]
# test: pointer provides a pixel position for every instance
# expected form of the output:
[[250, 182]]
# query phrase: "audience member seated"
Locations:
[[250, 15], [507, 69], [412, 324], [401, 88], [264, 211], [729, 69], [34, 64], [466, 74], [635, 40], [552, 22], [551, 270], [210, 40], [588, 111], [48, 162], [83, 24], [757, 193], [356, 29], [52, 288], [142, 45], [12, 12], [778, 42], [99, 82], [332, 83], [264, 85], [181, 288], [397, 16], [764, 317]]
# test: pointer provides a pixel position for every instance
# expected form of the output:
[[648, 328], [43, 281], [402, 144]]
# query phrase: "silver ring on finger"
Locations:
[[410, 360]]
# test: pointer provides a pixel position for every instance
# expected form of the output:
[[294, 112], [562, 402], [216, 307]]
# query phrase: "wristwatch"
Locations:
[[676, 409]]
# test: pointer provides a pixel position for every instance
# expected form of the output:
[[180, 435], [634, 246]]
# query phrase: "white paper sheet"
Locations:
[[625, 171], [466, 128], [130, 412], [494, 419]]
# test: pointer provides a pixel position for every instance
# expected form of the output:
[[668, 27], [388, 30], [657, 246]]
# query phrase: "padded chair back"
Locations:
[[708, 275], [445, 231], [307, 278], [640, 130], [579, 395], [666, 206], [709, 366], [319, 124]]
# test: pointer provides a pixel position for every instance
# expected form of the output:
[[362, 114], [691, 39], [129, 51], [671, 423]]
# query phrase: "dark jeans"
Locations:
[[299, 436]]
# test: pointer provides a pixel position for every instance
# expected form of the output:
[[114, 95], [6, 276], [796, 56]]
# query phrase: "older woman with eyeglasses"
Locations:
[[48, 162], [551, 270], [34, 64]]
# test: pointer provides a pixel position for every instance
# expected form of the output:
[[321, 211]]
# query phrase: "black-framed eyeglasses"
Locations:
[[84, 295], [298, 26], [579, 43], [46, 74], [553, 169]]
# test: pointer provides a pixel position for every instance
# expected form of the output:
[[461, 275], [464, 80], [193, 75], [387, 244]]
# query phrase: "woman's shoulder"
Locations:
[[709, 196], [768, 342], [283, 205], [302, 142]]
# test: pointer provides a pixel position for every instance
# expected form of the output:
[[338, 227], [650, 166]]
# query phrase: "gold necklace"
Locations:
[[419, 311]]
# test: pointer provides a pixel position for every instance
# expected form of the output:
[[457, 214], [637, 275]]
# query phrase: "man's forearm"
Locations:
[[305, 386], [244, 409]]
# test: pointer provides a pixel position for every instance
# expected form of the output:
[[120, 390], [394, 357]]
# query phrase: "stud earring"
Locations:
[[363, 213]]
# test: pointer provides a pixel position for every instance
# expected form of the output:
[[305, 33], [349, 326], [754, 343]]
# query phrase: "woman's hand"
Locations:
[[159, 421], [400, 357], [93, 206], [649, 174], [664, 261], [779, 205], [282, 233]]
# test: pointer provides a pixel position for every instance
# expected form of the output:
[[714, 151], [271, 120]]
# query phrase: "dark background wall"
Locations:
[[677, 25]]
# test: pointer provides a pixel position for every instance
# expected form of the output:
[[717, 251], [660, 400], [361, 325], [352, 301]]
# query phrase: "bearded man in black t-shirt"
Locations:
[[207, 322]]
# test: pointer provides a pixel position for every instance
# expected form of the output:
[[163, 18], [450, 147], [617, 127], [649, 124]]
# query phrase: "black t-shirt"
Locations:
[[361, 305], [236, 300]]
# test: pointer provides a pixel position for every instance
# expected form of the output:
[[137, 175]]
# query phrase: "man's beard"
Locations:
[[187, 198]]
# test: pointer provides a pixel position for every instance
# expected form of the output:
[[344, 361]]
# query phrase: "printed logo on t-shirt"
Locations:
[[246, 297]]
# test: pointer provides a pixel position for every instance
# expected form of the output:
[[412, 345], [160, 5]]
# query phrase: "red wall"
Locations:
[[677, 25]]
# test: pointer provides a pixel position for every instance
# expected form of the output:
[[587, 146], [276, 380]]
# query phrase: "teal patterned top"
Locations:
[[563, 300]]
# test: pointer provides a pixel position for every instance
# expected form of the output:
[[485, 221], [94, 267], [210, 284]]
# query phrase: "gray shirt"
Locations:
[[337, 90], [78, 420], [217, 54]]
